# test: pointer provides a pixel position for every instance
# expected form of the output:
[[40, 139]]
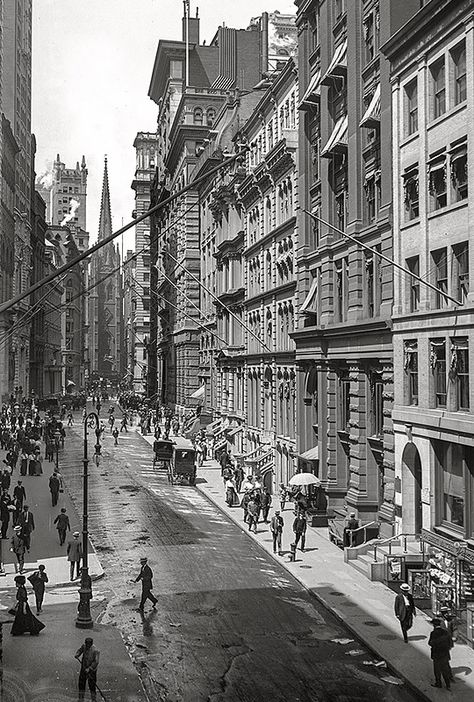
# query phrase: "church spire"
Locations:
[[105, 221]]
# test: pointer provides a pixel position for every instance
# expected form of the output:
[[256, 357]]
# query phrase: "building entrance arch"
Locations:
[[412, 516]]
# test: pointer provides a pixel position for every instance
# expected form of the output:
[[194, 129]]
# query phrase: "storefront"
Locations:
[[446, 583]]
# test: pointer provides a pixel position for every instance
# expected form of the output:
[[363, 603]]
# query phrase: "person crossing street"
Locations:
[[146, 576]]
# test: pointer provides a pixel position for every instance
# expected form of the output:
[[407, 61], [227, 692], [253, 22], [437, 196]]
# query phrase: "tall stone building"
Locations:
[[145, 145], [16, 105], [189, 84], [105, 300], [65, 192]]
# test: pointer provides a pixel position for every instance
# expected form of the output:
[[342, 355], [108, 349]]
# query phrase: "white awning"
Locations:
[[199, 393], [371, 116], [259, 458], [313, 93], [234, 431], [307, 307], [338, 65], [311, 454], [338, 139]]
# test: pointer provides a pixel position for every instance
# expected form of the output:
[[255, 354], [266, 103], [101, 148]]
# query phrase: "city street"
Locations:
[[230, 624]]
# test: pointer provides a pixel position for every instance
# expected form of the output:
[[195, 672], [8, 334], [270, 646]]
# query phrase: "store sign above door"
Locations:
[[459, 549]]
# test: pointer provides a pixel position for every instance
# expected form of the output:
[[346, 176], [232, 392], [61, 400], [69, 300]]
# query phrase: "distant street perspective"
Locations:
[[236, 341]]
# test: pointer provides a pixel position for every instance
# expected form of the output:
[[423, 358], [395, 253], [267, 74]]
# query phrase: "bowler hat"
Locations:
[[76, 533], [404, 586], [143, 560]]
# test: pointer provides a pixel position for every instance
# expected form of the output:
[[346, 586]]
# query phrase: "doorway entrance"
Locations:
[[412, 516]]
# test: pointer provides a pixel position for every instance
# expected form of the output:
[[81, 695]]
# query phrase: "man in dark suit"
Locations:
[[54, 486], [405, 609], [19, 493], [441, 643], [27, 523], [146, 576]]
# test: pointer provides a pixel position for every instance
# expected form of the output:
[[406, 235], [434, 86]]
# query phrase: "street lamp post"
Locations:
[[84, 619]]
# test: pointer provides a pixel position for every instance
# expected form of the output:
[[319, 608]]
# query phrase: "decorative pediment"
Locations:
[[279, 160], [248, 191], [262, 177], [222, 198]]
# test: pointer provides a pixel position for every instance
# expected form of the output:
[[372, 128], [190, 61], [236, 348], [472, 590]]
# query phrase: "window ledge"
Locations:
[[408, 139], [411, 223], [446, 115], [448, 208]]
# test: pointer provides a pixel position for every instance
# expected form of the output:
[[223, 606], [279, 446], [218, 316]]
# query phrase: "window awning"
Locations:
[[338, 65], [256, 459], [220, 444], [313, 93], [199, 393], [311, 454], [308, 305], [338, 140], [371, 116], [213, 428]]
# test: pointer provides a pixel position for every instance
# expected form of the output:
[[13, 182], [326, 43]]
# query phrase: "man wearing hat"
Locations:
[[63, 525], [276, 527], [146, 576], [441, 643], [17, 546], [88, 655], [405, 609], [74, 554]]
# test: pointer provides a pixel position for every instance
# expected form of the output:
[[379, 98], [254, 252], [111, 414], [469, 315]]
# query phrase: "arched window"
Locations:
[[210, 116], [197, 115]]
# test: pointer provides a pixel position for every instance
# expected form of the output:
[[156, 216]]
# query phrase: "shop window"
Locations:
[[438, 87], [411, 107], [411, 194], [452, 474], [411, 370], [458, 58], [459, 372], [413, 265], [459, 173], [461, 271], [438, 368], [437, 184], [440, 274]]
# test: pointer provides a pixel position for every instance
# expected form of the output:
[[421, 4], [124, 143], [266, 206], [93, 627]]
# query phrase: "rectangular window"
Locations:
[[413, 265], [370, 198], [461, 271], [344, 403], [438, 366], [340, 202], [411, 370], [459, 372], [339, 8], [411, 194], [450, 459], [341, 281], [440, 271], [376, 405], [437, 184], [458, 57], [459, 173], [438, 84], [411, 111], [369, 37]]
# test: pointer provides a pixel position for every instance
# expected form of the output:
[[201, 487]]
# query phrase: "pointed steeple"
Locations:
[[105, 221]]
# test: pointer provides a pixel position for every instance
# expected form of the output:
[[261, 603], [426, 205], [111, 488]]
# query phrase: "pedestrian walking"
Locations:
[[6, 509], [266, 502], [247, 485], [283, 495], [63, 525], [27, 524], [88, 656], [252, 513], [405, 609], [276, 527], [24, 620], [19, 493], [146, 576], [74, 555], [299, 529], [231, 496], [54, 486], [38, 462], [238, 477], [5, 479], [115, 434], [124, 424], [245, 505], [17, 546], [441, 643], [70, 419], [38, 581]]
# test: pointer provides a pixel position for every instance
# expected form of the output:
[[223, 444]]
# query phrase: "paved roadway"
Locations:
[[231, 624]]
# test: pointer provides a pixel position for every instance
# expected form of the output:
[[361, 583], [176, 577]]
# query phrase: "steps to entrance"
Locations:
[[362, 558]]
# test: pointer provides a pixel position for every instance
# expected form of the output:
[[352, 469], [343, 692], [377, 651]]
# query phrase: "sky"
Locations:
[[92, 63]]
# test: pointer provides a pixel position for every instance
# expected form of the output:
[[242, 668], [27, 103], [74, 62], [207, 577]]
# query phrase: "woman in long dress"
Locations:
[[38, 463], [231, 496], [25, 620]]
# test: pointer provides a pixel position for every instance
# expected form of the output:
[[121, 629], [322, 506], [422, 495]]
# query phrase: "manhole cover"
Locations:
[[337, 594], [371, 623]]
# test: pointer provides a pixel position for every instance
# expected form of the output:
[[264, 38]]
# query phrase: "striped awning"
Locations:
[[311, 454], [338, 65], [337, 142], [256, 459], [313, 93], [371, 116], [308, 306]]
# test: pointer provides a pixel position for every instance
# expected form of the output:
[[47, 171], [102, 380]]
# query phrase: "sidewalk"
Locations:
[[365, 607], [45, 546]]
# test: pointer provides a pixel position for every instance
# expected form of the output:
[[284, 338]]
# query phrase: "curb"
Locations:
[[321, 600]]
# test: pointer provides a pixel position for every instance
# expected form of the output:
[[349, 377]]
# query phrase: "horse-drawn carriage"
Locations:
[[178, 457]]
